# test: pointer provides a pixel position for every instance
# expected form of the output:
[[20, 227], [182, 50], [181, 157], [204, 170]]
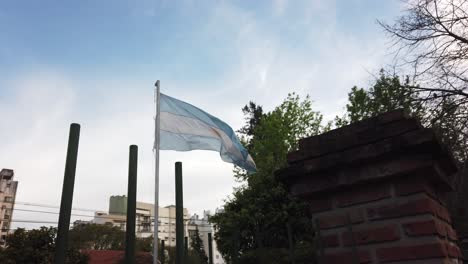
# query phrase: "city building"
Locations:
[[117, 215], [204, 228], [144, 218], [7, 201]]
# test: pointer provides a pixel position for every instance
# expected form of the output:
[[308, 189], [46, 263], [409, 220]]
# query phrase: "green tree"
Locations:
[[198, 248], [389, 93], [386, 94], [144, 244], [35, 246], [252, 226], [99, 237]]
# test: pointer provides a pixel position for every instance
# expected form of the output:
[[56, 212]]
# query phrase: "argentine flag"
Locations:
[[184, 127]]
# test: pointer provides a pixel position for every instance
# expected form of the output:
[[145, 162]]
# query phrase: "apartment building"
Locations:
[[117, 215], [204, 228], [7, 201], [144, 218]]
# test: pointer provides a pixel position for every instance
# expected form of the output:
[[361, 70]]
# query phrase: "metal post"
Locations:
[[179, 214], [162, 257], [156, 173], [186, 250], [67, 194], [210, 249], [291, 242], [131, 206]]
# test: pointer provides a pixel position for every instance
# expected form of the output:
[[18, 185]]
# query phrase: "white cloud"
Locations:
[[279, 7]]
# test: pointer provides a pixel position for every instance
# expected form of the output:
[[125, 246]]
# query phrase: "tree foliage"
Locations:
[[431, 37], [387, 93], [35, 246], [252, 226], [97, 237], [198, 248]]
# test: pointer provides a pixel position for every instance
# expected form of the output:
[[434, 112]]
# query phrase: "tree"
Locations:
[[390, 92], [144, 244], [198, 248], [252, 226], [386, 94], [431, 37], [98, 237], [253, 114], [35, 246]]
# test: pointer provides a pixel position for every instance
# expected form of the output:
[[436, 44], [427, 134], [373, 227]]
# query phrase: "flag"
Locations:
[[184, 127]]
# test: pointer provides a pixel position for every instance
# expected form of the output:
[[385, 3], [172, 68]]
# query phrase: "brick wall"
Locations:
[[377, 190]]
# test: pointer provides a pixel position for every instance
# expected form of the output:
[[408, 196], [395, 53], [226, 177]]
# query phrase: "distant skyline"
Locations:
[[95, 63]]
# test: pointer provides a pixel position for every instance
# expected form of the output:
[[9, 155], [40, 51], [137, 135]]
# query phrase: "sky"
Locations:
[[95, 63]]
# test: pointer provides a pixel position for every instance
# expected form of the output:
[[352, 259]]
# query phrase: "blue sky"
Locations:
[[95, 63]]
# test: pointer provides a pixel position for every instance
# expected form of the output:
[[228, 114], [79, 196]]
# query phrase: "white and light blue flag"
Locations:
[[184, 127]]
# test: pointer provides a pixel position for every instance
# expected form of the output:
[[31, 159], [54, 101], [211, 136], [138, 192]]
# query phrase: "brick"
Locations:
[[401, 253], [363, 196], [354, 135], [451, 234], [424, 228], [443, 213], [347, 257], [372, 235], [330, 241], [320, 205], [330, 181], [415, 186], [422, 206], [340, 219], [453, 250], [364, 153]]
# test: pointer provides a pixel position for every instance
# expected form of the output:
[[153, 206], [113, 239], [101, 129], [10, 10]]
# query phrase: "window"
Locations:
[[9, 199]]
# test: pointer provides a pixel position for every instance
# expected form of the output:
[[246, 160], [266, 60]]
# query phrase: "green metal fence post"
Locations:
[[210, 249], [162, 257], [67, 195], [131, 206], [186, 249], [179, 214]]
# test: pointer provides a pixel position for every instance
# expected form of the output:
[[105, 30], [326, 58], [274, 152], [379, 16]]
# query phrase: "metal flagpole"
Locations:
[[156, 181]]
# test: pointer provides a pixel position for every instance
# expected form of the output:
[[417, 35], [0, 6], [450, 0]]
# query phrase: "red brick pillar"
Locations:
[[383, 178]]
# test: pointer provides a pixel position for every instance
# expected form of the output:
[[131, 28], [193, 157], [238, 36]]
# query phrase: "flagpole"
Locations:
[[156, 181]]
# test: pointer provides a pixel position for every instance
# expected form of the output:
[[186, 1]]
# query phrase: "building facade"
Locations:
[[7, 201], [144, 218], [204, 228], [117, 215]]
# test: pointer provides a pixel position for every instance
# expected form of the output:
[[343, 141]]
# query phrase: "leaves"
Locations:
[[98, 237], [254, 219], [198, 248], [386, 94], [35, 246]]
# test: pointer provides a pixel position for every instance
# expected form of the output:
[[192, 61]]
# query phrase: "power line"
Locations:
[[94, 216], [76, 209], [51, 206], [103, 217]]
